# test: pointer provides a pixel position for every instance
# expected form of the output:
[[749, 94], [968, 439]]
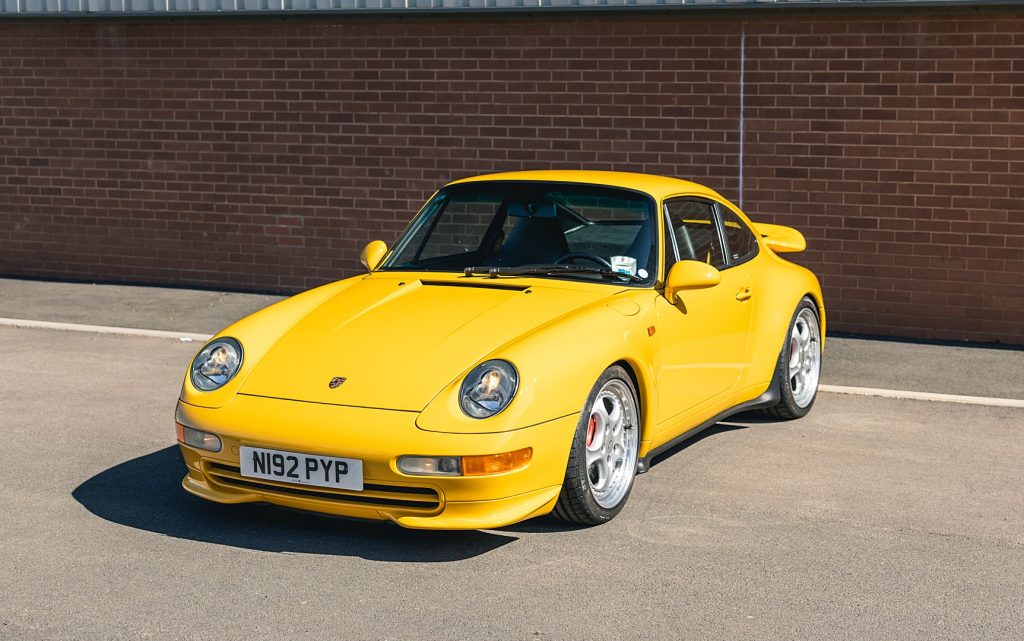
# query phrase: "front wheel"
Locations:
[[602, 460], [799, 364]]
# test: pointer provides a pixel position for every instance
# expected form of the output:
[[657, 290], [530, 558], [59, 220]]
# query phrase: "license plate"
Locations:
[[304, 469]]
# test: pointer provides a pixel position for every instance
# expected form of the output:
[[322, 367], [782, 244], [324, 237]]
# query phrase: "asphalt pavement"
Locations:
[[872, 518]]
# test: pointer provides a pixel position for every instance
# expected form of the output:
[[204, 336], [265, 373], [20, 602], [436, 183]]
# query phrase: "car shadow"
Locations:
[[714, 430], [543, 525], [549, 524], [757, 417], [145, 493]]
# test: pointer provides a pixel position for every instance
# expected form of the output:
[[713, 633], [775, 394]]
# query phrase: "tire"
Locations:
[[796, 377], [602, 460]]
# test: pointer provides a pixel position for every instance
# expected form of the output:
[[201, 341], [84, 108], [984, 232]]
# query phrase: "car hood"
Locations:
[[397, 343]]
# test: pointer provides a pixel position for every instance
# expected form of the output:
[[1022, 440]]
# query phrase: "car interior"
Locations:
[[538, 229]]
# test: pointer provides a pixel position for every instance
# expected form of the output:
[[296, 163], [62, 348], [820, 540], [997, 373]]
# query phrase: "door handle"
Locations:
[[743, 294]]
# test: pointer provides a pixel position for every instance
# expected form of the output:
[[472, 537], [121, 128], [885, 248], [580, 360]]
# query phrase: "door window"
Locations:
[[696, 231]]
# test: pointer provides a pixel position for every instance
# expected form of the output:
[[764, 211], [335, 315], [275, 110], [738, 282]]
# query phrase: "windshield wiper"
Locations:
[[549, 270]]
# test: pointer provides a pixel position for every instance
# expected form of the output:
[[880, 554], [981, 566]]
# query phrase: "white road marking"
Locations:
[[830, 389], [922, 396], [184, 337]]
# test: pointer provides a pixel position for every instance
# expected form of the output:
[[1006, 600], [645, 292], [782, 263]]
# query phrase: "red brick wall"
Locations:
[[897, 146], [262, 154]]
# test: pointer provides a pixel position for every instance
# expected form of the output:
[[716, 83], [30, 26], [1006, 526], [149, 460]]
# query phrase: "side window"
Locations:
[[738, 238], [696, 232]]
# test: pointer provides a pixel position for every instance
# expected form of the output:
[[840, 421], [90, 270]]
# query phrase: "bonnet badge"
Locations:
[[336, 382]]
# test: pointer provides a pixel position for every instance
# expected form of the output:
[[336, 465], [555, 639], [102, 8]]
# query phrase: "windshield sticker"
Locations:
[[624, 265]]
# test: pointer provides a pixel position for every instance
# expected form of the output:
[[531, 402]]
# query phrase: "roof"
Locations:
[[657, 186]]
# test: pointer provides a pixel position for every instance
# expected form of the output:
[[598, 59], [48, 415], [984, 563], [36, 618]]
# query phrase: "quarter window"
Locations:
[[696, 232], [738, 238]]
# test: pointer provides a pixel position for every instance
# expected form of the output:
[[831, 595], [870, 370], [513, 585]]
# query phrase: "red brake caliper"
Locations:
[[591, 430]]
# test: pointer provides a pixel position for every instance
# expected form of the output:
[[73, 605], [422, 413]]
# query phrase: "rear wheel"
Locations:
[[602, 461], [799, 365]]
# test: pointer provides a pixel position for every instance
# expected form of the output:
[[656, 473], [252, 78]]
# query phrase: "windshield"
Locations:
[[552, 229]]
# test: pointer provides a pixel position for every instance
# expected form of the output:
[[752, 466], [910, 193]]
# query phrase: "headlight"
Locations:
[[216, 364], [488, 389]]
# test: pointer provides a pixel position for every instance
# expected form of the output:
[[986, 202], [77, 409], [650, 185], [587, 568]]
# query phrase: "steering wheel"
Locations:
[[594, 258]]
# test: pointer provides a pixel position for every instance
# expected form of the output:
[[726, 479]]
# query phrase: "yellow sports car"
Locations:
[[531, 341]]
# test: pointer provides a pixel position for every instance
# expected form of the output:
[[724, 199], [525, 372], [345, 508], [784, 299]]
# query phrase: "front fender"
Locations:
[[257, 333], [558, 365]]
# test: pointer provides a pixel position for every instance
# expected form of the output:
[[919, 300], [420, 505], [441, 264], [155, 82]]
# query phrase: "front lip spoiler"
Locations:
[[485, 515], [453, 515]]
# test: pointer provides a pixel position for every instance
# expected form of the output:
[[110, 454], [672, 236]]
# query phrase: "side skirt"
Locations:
[[770, 397]]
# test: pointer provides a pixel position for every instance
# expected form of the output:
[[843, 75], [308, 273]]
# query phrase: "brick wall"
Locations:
[[262, 154]]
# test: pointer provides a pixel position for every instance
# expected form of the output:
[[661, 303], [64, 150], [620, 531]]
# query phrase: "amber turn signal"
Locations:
[[496, 463]]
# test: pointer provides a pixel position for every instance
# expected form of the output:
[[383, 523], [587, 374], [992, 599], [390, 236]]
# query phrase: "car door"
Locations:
[[704, 346]]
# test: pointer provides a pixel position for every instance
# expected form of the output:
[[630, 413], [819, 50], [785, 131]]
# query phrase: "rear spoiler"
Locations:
[[780, 238]]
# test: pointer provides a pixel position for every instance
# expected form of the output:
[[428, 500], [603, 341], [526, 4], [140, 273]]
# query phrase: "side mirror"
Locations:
[[690, 274], [373, 254], [781, 239]]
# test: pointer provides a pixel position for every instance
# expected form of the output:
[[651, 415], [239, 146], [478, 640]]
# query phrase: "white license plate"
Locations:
[[304, 469]]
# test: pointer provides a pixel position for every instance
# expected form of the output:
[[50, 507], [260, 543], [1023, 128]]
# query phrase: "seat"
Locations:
[[535, 239], [643, 244]]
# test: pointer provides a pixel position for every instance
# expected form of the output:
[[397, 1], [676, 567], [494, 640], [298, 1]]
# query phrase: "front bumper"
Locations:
[[377, 437]]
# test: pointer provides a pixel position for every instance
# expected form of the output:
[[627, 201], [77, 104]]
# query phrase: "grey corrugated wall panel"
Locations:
[[105, 5], [9, 8], [146, 5], [257, 5], [40, 6], [216, 5]]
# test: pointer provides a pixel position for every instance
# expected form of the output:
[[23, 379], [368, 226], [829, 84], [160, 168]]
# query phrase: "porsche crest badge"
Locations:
[[336, 382]]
